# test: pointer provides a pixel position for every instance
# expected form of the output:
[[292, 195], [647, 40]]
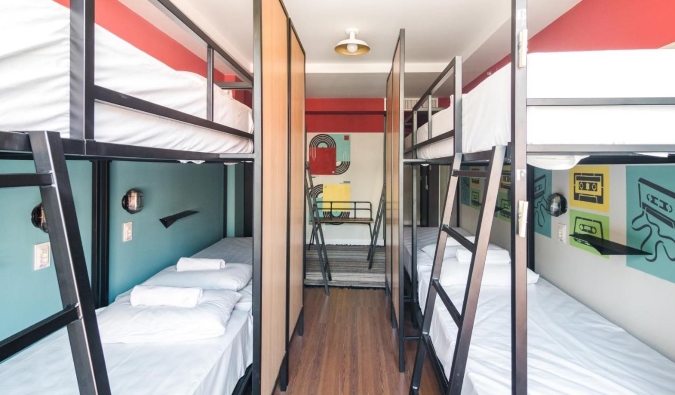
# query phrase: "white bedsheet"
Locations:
[[634, 73], [34, 88], [571, 349], [232, 249], [204, 367], [425, 236]]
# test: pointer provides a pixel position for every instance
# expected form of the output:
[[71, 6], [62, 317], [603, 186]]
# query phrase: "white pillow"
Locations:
[[234, 276], [455, 273], [494, 256], [123, 323], [246, 301], [451, 246]]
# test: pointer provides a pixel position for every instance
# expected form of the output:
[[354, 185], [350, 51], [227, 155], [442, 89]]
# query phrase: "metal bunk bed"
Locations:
[[516, 153], [49, 152]]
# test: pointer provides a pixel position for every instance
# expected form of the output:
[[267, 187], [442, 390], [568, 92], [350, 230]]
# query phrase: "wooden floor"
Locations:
[[349, 347]]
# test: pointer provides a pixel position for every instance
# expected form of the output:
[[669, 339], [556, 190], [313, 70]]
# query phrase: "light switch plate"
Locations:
[[41, 256], [127, 231], [562, 233]]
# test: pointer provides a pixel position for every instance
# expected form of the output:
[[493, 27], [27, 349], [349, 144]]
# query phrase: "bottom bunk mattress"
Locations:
[[204, 367], [571, 349]]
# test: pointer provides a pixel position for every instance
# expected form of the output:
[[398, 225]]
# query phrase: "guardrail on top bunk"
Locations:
[[84, 93], [454, 70]]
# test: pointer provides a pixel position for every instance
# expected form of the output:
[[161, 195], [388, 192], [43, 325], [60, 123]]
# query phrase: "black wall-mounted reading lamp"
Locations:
[[38, 218], [556, 204], [132, 201]]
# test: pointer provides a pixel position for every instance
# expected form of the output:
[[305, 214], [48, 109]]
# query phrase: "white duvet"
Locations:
[[571, 349], [123, 323]]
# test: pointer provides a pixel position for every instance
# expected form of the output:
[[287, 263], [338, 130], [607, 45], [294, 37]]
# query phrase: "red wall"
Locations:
[[604, 25], [132, 28], [345, 115]]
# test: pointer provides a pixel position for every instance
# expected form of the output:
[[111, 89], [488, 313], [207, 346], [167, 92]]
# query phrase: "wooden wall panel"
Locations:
[[274, 55], [396, 224], [297, 196]]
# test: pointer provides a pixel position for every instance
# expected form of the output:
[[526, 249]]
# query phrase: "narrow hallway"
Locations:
[[349, 347]]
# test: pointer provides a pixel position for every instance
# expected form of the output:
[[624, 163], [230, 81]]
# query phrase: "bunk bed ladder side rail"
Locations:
[[78, 313], [317, 230], [464, 320], [376, 230]]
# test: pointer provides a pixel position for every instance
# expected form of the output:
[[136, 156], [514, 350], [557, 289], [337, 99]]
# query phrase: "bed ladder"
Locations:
[[479, 247], [78, 313], [317, 230], [376, 230]]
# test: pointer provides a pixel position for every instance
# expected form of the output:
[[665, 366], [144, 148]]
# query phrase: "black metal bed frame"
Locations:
[[522, 236], [82, 144]]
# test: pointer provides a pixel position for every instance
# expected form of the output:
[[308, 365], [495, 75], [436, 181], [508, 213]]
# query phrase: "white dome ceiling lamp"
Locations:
[[352, 46]]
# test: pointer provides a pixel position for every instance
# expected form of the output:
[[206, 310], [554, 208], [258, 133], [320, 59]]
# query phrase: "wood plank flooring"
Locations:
[[349, 347]]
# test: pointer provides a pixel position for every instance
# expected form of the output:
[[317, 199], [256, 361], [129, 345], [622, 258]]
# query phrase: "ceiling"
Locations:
[[436, 30]]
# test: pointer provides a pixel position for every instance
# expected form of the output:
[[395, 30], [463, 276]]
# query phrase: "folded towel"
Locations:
[[455, 273], [494, 256], [199, 264], [148, 295]]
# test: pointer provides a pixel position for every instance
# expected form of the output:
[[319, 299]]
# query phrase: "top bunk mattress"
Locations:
[[34, 90], [596, 74]]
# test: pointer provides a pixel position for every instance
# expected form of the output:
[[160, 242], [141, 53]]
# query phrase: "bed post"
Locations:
[[519, 36], [82, 69], [100, 237]]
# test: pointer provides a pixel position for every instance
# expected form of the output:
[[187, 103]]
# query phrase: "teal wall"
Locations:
[[167, 188], [235, 200], [28, 296]]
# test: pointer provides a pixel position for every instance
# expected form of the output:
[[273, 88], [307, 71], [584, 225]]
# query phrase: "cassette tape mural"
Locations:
[[585, 223], [589, 188], [650, 217], [543, 180]]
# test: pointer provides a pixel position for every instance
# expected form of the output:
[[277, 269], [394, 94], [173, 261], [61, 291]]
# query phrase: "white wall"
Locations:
[[365, 175], [640, 303]]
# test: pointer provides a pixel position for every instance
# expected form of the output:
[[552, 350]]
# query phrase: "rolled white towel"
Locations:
[[493, 257], [148, 295], [199, 264]]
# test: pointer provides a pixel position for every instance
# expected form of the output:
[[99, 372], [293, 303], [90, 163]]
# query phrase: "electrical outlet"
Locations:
[[127, 231], [562, 233], [41, 256]]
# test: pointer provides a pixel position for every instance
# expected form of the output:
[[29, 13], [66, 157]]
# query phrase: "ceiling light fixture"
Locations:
[[352, 46]]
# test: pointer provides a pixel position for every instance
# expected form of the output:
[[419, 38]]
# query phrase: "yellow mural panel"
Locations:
[[589, 187], [337, 192]]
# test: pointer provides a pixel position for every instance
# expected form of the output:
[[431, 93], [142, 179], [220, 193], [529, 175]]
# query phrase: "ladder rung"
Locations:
[[447, 302], [37, 332], [462, 240], [25, 180], [411, 338]]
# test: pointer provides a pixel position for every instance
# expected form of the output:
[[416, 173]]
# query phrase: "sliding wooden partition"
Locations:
[[271, 108], [394, 179], [297, 182]]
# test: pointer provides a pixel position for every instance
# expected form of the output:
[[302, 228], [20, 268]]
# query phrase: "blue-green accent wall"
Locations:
[[28, 296], [168, 188], [235, 200]]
